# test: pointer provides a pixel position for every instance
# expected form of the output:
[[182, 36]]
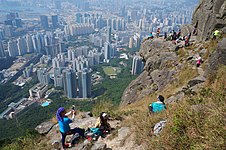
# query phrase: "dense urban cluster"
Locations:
[[60, 41]]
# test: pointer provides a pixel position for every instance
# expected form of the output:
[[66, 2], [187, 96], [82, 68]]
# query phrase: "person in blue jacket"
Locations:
[[64, 121], [157, 106]]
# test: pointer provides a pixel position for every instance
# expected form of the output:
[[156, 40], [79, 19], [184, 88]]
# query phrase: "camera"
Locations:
[[73, 107]]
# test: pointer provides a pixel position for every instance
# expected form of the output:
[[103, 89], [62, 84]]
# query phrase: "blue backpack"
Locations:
[[96, 131]]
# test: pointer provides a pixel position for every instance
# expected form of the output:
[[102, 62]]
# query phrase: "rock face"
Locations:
[[208, 16], [160, 59], [45, 127], [217, 58]]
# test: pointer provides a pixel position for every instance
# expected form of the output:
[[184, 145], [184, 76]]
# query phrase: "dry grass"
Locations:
[[186, 74], [211, 46], [29, 142], [182, 53], [195, 123]]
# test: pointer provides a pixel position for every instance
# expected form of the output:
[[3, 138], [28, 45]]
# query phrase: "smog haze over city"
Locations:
[[61, 52]]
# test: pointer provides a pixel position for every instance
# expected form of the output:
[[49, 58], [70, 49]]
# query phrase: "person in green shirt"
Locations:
[[216, 34]]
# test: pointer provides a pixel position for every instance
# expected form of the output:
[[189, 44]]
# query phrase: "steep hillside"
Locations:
[[195, 96], [161, 61], [194, 117]]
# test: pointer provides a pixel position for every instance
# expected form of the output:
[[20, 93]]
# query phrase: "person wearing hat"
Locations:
[[157, 106], [102, 122], [63, 122]]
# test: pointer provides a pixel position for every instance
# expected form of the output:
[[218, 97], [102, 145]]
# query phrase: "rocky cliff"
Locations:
[[160, 66], [161, 59], [208, 16]]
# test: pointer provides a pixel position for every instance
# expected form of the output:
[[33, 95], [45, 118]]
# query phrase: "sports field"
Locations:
[[108, 70]]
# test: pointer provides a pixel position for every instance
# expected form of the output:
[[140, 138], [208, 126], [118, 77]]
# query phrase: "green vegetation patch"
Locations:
[[109, 70]]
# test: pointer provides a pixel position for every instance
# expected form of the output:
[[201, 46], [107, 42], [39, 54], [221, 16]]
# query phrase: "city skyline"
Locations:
[[59, 42]]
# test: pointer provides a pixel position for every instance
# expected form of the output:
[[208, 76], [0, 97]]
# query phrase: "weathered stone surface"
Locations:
[[159, 58], [137, 89], [194, 82], [56, 144], [99, 146], [177, 97], [86, 145], [162, 77], [217, 58], [45, 127], [208, 16], [123, 132], [203, 51]]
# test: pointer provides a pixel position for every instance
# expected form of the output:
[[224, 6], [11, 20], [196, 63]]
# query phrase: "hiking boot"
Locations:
[[66, 145]]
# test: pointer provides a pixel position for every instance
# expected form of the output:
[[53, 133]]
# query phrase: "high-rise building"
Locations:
[[2, 36], [137, 66], [34, 43], [40, 42], [2, 52], [58, 62], [109, 35], [84, 83], [22, 46], [43, 76], [78, 18], [30, 46], [107, 51], [58, 77], [8, 22], [18, 23], [44, 21], [113, 24], [12, 16], [58, 81], [70, 84], [8, 30], [28, 71], [62, 47], [131, 42], [37, 43], [55, 21], [13, 49]]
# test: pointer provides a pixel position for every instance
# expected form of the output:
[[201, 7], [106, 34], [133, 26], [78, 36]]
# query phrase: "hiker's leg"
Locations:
[[63, 139], [78, 130]]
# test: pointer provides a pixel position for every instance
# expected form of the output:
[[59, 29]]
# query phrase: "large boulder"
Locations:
[[138, 88], [99, 146], [45, 127]]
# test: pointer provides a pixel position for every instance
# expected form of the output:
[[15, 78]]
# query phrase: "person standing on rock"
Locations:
[[64, 122], [199, 61], [158, 32], [179, 34], [165, 35], [157, 106]]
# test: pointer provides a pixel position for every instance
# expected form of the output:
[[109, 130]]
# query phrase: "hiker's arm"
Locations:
[[67, 114], [73, 115], [150, 108]]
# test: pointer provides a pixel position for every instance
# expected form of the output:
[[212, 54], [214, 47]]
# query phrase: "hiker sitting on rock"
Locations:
[[64, 122], [157, 106], [150, 36], [102, 123]]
